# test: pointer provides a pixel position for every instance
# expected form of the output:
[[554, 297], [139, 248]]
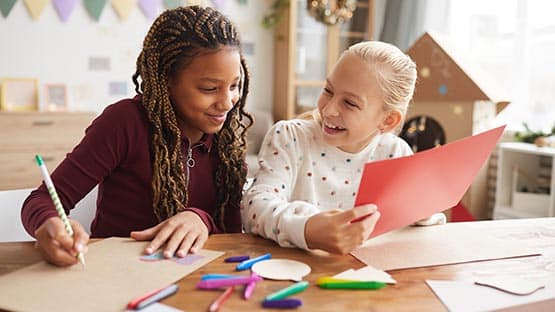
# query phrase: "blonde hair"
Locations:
[[394, 70]]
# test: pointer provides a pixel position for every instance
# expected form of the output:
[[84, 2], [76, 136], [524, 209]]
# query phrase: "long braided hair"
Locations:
[[174, 39]]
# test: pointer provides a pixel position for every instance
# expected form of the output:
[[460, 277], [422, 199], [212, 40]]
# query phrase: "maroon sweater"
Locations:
[[115, 154]]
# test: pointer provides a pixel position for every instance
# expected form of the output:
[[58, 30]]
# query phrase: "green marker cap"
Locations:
[[39, 160]]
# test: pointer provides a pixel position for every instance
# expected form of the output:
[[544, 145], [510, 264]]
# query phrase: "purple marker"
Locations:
[[237, 259], [290, 303]]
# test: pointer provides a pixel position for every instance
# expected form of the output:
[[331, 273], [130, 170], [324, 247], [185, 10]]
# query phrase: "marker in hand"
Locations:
[[57, 203], [364, 216]]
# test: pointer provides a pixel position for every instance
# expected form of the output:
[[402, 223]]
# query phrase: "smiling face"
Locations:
[[351, 105], [204, 91]]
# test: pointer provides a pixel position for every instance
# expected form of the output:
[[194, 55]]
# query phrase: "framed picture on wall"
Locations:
[[19, 94], [55, 97]]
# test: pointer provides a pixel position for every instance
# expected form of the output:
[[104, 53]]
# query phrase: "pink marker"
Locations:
[[249, 289], [227, 282]]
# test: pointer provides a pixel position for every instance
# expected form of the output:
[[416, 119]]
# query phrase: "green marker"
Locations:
[[57, 203], [288, 291], [336, 283]]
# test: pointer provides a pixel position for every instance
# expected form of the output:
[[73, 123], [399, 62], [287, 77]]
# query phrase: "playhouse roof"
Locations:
[[443, 76]]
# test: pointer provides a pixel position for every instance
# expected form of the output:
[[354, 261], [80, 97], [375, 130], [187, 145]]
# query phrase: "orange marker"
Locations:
[[215, 306]]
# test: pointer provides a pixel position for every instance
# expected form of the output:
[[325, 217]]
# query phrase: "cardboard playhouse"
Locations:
[[451, 101]]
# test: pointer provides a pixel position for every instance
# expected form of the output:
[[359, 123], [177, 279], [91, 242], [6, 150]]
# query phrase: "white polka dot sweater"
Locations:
[[300, 175]]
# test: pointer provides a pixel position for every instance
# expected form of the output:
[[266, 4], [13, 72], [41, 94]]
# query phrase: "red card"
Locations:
[[412, 188]]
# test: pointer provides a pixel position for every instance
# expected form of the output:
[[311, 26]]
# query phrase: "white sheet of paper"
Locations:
[[468, 297], [512, 284], [114, 275], [367, 273], [450, 243]]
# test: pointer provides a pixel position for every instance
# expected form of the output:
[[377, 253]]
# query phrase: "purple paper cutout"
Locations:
[[150, 7], [64, 8], [159, 256]]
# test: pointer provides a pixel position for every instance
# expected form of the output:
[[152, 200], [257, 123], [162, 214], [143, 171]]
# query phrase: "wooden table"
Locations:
[[411, 293]]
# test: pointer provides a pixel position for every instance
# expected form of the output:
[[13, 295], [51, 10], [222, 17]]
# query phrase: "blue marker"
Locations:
[[217, 276], [247, 264]]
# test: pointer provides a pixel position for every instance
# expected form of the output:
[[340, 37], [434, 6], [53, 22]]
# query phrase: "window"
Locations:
[[514, 41]]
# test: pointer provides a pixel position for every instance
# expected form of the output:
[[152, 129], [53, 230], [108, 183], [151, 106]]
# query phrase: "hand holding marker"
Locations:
[[56, 200]]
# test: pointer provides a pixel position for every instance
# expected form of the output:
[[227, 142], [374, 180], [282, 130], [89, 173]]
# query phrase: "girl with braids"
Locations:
[[304, 193], [169, 162]]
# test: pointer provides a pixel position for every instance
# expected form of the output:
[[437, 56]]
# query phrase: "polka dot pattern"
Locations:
[[299, 180]]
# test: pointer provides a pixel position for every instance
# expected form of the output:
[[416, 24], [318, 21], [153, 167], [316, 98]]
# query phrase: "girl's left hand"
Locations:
[[181, 233]]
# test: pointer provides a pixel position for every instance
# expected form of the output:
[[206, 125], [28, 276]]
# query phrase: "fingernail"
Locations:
[[79, 247], [148, 250], [181, 254], [193, 250], [167, 254]]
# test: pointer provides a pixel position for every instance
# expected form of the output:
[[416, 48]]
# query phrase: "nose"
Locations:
[[330, 107], [228, 99]]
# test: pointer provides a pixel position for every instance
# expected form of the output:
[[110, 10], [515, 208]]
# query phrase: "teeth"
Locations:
[[333, 126]]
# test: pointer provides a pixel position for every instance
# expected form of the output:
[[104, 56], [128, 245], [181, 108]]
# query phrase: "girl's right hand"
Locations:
[[340, 232], [56, 245]]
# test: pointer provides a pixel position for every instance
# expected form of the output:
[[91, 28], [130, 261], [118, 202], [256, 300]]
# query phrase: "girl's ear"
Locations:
[[392, 120]]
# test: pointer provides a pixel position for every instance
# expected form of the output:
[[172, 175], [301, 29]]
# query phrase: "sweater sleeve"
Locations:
[[102, 148], [206, 219], [267, 208]]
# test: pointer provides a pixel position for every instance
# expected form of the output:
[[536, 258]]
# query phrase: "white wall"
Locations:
[[57, 52]]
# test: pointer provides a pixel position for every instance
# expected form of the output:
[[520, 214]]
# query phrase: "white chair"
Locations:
[[11, 229], [263, 121]]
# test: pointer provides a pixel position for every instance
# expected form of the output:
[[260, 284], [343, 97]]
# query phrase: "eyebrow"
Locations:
[[218, 80], [356, 97]]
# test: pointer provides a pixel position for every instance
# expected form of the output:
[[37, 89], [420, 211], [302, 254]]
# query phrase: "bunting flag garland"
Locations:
[[64, 8], [219, 4], [149, 8], [94, 8], [6, 6], [196, 2], [35, 7], [172, 4], [123, 8]]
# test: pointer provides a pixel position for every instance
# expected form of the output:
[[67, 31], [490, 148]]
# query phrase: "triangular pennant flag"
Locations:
[[6, 6], [219, 4], [95, 7], [149, 7], [64, 8], [35, 7], [123, 7], [196, 2], [172, 4]]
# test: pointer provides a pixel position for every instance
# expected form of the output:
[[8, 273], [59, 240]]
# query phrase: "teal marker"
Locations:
[[335, 283], [288, 291], [57, 203]]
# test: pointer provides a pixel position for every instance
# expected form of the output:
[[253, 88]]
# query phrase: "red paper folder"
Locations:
[[412, 188]]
